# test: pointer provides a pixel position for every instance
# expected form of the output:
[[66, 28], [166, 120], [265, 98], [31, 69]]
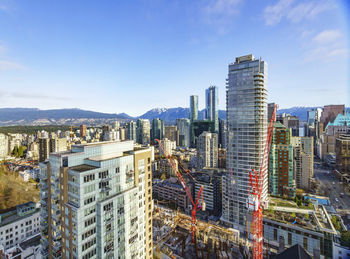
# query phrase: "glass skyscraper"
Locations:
[[211, 106], [246, 109], [157, 131], [193, 107]]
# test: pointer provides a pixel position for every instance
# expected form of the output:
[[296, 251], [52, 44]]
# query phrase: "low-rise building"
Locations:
[[19, 224], [172, 191], [310, 228]]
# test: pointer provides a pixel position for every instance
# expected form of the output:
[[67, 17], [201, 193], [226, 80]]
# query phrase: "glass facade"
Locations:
[[212, 106], [193, 107], [246, 109]]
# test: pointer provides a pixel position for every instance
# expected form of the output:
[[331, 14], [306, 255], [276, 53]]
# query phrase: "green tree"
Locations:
[[15, 151], [20, 151], [345, 238], [293, 215], [306, 217]]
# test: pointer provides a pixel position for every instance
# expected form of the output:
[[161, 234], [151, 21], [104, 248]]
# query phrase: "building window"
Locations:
[[305, 243], [289, 238], [275, 234]]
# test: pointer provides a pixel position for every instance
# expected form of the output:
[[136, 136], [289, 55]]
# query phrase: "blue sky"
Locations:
[[131, 56]]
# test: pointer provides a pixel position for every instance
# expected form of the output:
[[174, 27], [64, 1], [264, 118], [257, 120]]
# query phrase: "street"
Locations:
[[332, 186]]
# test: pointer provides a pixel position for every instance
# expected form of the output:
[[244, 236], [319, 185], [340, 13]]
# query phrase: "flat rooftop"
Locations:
[[34, 241], [82, 168], [12, 216]]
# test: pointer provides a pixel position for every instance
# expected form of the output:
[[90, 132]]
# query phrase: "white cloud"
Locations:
[[326, 53], [295, 12], [327, 36], [326, 46], [10, 65], [273, 14], [221, 13]]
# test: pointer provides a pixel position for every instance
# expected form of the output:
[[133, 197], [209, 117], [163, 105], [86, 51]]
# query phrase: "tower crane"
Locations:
[[255, 189], [196, 206]]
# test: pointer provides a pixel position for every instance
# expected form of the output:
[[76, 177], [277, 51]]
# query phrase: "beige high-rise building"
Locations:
[[207, 150], [303, 150], [96, 202], [58, 144]]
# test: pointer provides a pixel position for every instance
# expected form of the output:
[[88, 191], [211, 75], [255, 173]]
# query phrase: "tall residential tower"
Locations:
[[246, 111], [96, 202]]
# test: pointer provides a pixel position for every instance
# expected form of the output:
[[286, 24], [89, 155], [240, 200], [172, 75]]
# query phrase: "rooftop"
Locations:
[[340, 120], [34, 241], [295, 252], [82, 168], [12, 216]]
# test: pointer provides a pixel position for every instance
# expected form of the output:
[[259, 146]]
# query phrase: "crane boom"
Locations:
[[195, 205]]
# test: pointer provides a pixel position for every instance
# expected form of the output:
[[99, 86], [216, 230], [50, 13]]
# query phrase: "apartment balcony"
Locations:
[[105, 189], [56, 234], [44, 242], [44, 252], [43, 175], [109, 253], [106, 179]]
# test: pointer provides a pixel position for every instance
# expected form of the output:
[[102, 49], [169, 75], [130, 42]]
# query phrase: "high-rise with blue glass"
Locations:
[[211, 106]]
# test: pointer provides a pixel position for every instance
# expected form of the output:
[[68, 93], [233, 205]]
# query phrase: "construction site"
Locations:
[[173, 238], [171, 235]]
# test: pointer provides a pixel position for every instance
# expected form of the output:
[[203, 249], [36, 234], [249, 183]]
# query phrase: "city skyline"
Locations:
[[96, 57]]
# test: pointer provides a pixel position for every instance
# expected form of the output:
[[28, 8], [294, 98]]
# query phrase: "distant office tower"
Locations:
[[44, 149], [212, 106], [303, 151], [168, 145], [184, 127], [171, 133], [82, 131], [342, 150], [222, 133], [143, 131], [97, 202], [281, 176], [157, 131], [4, 149], [58, 144], [198, 127], [131, 131], [207, 150], [116, 125], [193, 107], [292, 122], [122, 134], [112, 135], [246, 110]]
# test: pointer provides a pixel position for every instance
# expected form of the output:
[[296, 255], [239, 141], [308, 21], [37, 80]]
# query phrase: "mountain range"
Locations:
[[35, 116]]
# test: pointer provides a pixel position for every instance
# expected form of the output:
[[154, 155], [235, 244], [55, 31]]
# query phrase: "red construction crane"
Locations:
[[255, 188], [195, 205]]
